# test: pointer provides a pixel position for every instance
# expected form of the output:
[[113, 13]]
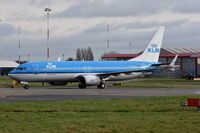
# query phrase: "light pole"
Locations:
[[48, 50], [108, 41], [0, 43], [63, 57], [0, 51], [28, 57], [19, 44]]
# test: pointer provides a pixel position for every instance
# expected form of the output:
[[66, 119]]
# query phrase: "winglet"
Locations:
[[173, 61], [59, 59], [172, 64], [152, 52]]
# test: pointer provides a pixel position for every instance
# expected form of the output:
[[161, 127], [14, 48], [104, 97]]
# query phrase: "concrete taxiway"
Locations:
[[59, 94]]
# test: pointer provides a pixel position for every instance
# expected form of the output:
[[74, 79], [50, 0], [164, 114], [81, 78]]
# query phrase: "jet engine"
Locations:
[[87, 80]]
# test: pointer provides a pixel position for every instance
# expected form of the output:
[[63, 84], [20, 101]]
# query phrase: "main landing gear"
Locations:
[[101, 86], [82, 86]]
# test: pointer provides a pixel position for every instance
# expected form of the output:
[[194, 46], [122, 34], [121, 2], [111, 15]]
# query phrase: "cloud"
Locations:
[[40, 2], [137, 25], [97, 28], [185, 6], [7, 29], [178, 33], [185, 32], [83, 23], [181, 33], [114, 8], [121, 8]]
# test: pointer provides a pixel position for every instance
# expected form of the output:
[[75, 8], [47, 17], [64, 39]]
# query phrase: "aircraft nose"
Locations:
[[12, 75], [11, 72]]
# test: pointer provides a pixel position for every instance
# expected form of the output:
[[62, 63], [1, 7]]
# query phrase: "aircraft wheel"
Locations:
[[82, 86], [26, 87], [101, 86]]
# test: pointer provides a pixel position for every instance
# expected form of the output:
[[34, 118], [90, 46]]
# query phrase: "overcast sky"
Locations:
[[83, 23]]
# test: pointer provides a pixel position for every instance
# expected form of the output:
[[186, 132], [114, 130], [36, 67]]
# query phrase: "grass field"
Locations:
[[136, 115], [133, 115], [163, 83]]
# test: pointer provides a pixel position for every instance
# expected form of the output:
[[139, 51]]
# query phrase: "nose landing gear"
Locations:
[[26, 86]]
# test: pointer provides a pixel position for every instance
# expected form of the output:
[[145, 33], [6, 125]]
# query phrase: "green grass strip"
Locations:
[[132, 115]]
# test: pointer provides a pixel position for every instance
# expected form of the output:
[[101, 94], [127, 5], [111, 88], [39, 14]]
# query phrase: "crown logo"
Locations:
[[154, 45]]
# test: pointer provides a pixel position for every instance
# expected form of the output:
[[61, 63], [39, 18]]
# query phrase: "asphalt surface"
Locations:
[[59, 94]]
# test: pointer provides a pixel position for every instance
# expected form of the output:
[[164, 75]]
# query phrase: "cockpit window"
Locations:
[[21, 68]]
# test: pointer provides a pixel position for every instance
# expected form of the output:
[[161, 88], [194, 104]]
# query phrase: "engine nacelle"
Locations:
[[58, 83], [90, 80]]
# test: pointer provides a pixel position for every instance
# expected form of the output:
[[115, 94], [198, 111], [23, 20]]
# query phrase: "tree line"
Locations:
[[84, 54]]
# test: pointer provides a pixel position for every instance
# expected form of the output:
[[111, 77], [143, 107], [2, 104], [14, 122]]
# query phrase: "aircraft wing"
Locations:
[[104, 75], [165, 66], [160, 64]]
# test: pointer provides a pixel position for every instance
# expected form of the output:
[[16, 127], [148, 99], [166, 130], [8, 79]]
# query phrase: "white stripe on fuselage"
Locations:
[[70, 77], [46, 77]]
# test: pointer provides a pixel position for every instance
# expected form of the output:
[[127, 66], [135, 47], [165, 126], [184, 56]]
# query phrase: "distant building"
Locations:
[[7, 66], [188, 59]]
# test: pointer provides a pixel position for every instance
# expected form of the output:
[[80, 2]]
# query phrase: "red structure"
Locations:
[[193, 102]]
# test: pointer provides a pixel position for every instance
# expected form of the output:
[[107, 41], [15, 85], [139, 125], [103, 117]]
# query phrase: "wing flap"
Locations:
[[104, 75]]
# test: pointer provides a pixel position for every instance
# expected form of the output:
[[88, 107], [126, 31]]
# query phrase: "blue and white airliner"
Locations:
[[89, 73]]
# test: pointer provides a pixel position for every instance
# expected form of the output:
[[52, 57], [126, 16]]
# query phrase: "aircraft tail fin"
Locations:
[[152, 52]]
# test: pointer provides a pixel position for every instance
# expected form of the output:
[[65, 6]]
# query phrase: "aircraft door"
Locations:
[[35, 69], [87, 69]]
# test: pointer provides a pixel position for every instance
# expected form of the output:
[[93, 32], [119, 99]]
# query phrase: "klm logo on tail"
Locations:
[[154, 49]]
